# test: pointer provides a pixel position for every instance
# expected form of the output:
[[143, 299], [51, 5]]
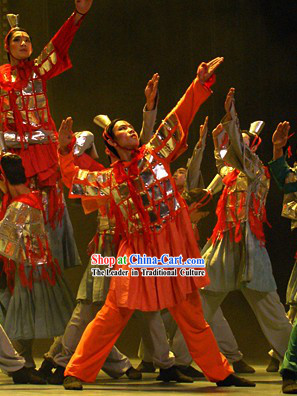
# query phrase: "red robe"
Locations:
[[152, 218]]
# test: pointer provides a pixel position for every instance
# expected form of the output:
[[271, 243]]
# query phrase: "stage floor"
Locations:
[[267, 385]]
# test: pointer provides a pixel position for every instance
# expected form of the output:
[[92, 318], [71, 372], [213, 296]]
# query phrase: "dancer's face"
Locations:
[[180, 177], [246, 139], [125, 135], [20, 46]]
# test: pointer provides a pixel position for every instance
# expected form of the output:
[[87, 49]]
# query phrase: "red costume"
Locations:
[[152, 218], [25, 115]]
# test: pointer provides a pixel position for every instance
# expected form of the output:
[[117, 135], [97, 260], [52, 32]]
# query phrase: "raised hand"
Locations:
[[215, 134], [150, 91], [65, 134], [218, 129], [229, 100], [280, 136], [206, 70], [83, 6], [291, 314], [203, 128], [203, 131]]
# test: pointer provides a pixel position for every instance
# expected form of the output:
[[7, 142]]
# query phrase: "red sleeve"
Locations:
[[69, 176], [190, 103], [170, 140], [68, 169], [54, 58], [84, 161]]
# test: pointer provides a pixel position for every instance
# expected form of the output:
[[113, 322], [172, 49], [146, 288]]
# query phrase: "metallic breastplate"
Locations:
[[32, 105], [240, 196], [22, 228], [154, 186], [290, 200]]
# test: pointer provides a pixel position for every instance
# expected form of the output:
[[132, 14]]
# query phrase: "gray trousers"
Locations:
[[269, 312], [116, 363], [10, 360], [157, 326], [24, 349], [154, 345], [55, 348]]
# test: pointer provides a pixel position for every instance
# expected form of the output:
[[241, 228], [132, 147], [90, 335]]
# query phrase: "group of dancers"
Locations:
[[142, 209]]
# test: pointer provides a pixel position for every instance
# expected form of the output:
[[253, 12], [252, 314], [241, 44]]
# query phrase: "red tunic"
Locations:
[[151, 216], [25, 115]]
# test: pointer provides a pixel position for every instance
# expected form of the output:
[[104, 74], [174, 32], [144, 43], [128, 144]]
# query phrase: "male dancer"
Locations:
[[190, 184], [29, 266], [286, 179], [152, 218], [235, 256], [93, 290], [28, 129]]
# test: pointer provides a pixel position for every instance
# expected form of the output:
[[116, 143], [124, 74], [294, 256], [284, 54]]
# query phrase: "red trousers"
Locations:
[[102, 333]]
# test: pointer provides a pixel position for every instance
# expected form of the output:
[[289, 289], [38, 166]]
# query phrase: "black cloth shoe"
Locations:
[[35, 377], [289, 374], [146, 367], [273, 366], [133, 374], [289, 386], [72, 383], [233, 380], [242, 367], [20, 376], [45, 370], [190, 371], [27, 376], [173, 374], [57, 378]]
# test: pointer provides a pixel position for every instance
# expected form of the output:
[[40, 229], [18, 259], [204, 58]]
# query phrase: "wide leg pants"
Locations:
[[101, 334]]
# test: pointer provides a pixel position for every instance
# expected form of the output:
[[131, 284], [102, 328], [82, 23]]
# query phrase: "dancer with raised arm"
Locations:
[[235, 255], [28, 130], [152, 219], [286, 178]]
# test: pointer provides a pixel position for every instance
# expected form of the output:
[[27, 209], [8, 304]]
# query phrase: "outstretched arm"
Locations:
[[197, 93], [222, 168], [194, 177], [279, 167], [170, 139], [54, 58], [280, 139], [82, 7], [68, 169], [150, 109], [239, 155]]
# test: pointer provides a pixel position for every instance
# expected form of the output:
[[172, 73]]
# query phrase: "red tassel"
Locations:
[[55, 206], [289, 151], [9, 268]]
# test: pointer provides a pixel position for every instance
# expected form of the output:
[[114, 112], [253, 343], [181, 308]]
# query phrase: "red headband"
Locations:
[[6, 43], [256, 142], [107, 137]]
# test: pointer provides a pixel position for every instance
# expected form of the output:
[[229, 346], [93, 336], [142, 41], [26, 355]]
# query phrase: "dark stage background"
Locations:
[[123, 42]]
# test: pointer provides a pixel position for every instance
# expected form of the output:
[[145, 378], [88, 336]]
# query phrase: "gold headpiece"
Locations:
[[13, 20], [102, 121], [256, 128]]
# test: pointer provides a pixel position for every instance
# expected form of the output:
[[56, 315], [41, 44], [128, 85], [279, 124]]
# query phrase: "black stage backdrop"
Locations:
[[123, 42]]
